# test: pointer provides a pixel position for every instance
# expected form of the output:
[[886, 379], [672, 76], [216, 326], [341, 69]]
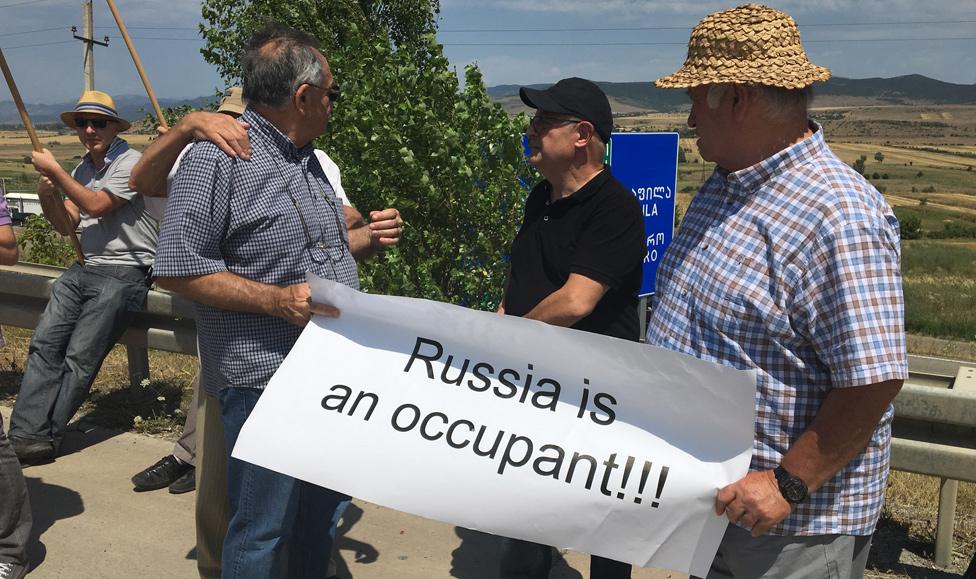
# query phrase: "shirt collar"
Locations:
[[276, 138], [749, 180], [116, 148]]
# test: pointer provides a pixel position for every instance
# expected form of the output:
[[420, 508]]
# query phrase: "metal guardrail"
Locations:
[[165, 323], [935, 413], [934, 433]]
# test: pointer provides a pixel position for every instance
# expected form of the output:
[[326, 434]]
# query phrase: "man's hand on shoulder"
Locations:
[[224, 131], [754, 501]]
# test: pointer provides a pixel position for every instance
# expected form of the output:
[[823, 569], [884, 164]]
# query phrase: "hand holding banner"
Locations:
[[509, 426]]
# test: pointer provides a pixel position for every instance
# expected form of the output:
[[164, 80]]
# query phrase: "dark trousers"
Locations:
[[526, 560], [88, 310], [15, 509]]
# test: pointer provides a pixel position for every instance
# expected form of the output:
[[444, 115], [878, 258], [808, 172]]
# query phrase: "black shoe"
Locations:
[[162, 474], [185, 483], [32, 451]]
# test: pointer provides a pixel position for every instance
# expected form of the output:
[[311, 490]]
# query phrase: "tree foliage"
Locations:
[[406, 135], [39, 243]]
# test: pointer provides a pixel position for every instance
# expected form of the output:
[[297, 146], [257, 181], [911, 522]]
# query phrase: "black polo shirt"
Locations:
[[598, 232]]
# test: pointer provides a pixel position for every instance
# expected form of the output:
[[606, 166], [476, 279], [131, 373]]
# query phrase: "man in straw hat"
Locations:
[[786, 262], [90, 304]]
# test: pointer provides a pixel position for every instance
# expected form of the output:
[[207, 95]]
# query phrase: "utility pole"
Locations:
[[88, 40], [86, 9]]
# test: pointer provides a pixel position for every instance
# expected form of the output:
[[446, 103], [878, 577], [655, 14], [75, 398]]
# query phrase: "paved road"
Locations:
[[89, 524]]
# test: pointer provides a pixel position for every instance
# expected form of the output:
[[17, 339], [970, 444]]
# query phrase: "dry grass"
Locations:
[[904, 544], [154, 407]]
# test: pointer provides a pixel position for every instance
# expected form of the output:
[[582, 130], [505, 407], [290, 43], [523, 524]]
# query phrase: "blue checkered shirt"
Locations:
[[792, 267], [271, 220]]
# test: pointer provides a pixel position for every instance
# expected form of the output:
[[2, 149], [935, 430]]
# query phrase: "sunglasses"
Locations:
[[95, 123], [334, 93], [543, 121]]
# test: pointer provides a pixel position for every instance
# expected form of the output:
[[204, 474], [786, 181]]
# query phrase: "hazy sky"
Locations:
[[514, 41]]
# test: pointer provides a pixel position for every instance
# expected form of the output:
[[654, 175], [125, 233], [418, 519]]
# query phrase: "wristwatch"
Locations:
[[793, 489]]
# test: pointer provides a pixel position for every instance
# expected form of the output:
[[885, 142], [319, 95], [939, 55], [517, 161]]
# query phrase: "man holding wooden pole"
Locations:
[[92, 303]]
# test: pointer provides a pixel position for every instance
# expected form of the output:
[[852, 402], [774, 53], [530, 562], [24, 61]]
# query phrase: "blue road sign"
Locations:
[[647, 164]]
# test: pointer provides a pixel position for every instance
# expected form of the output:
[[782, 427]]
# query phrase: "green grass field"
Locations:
[[939, 280]]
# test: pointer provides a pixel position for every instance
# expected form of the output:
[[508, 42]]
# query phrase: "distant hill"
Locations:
[[130, 107], [625, 97], [910, 89]]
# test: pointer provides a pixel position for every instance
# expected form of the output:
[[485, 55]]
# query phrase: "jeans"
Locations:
[[15, 509], [526, 560], [278, 524], [89, 309]]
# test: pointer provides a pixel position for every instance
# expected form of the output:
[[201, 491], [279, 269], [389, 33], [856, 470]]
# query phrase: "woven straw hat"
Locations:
[[751, 44], [95, 102]]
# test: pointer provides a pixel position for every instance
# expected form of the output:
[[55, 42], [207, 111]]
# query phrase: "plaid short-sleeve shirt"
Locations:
[[792, 267], [270, 219]]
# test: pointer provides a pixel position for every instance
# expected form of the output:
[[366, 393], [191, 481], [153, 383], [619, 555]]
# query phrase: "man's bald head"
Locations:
[[277, 60]]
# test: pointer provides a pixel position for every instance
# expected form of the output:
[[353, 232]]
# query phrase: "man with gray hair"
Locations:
[[787, 262], [238, 237]]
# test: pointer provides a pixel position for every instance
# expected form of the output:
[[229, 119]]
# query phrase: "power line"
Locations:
[[25, 2], [165, 38], [686, 44], [151, 27], [34, 31], [689, 27], [40, 44]]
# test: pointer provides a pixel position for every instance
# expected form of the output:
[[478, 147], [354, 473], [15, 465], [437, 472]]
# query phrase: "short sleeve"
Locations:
[[851, 299], [611, 242], [196, 216], [116, 179]]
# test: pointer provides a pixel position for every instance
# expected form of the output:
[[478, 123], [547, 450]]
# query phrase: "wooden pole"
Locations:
[[138, 63], [36, 144]]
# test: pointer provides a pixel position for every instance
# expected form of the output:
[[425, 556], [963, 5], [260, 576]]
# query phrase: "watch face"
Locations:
[[793, 490]]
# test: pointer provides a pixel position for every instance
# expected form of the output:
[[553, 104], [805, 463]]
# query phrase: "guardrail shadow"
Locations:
[[49, 504], [891, 539]]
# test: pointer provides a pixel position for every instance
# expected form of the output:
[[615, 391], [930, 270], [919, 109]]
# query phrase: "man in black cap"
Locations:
[[576, 261]]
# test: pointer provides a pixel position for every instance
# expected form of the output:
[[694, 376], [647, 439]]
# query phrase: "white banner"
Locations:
[[509, 426]]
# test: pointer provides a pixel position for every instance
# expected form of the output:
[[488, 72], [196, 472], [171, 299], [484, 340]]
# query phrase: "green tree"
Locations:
[[406, 135], [39, 243], [879, 157], [858, 164], [911, 227]]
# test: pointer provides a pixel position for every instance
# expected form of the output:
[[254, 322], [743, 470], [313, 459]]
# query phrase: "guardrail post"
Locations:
[[947, 514], [138, 364]]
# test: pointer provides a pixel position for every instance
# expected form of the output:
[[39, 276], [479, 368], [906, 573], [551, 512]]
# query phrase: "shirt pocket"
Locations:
[[744, 304]]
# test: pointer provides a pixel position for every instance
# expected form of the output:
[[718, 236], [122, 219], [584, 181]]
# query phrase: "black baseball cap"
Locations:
[[576, 97]]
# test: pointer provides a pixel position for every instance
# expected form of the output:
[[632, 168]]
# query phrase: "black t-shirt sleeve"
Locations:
[[611, 241]]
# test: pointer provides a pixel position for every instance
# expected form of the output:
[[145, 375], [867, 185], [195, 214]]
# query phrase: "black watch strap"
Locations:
[[793, 489]]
